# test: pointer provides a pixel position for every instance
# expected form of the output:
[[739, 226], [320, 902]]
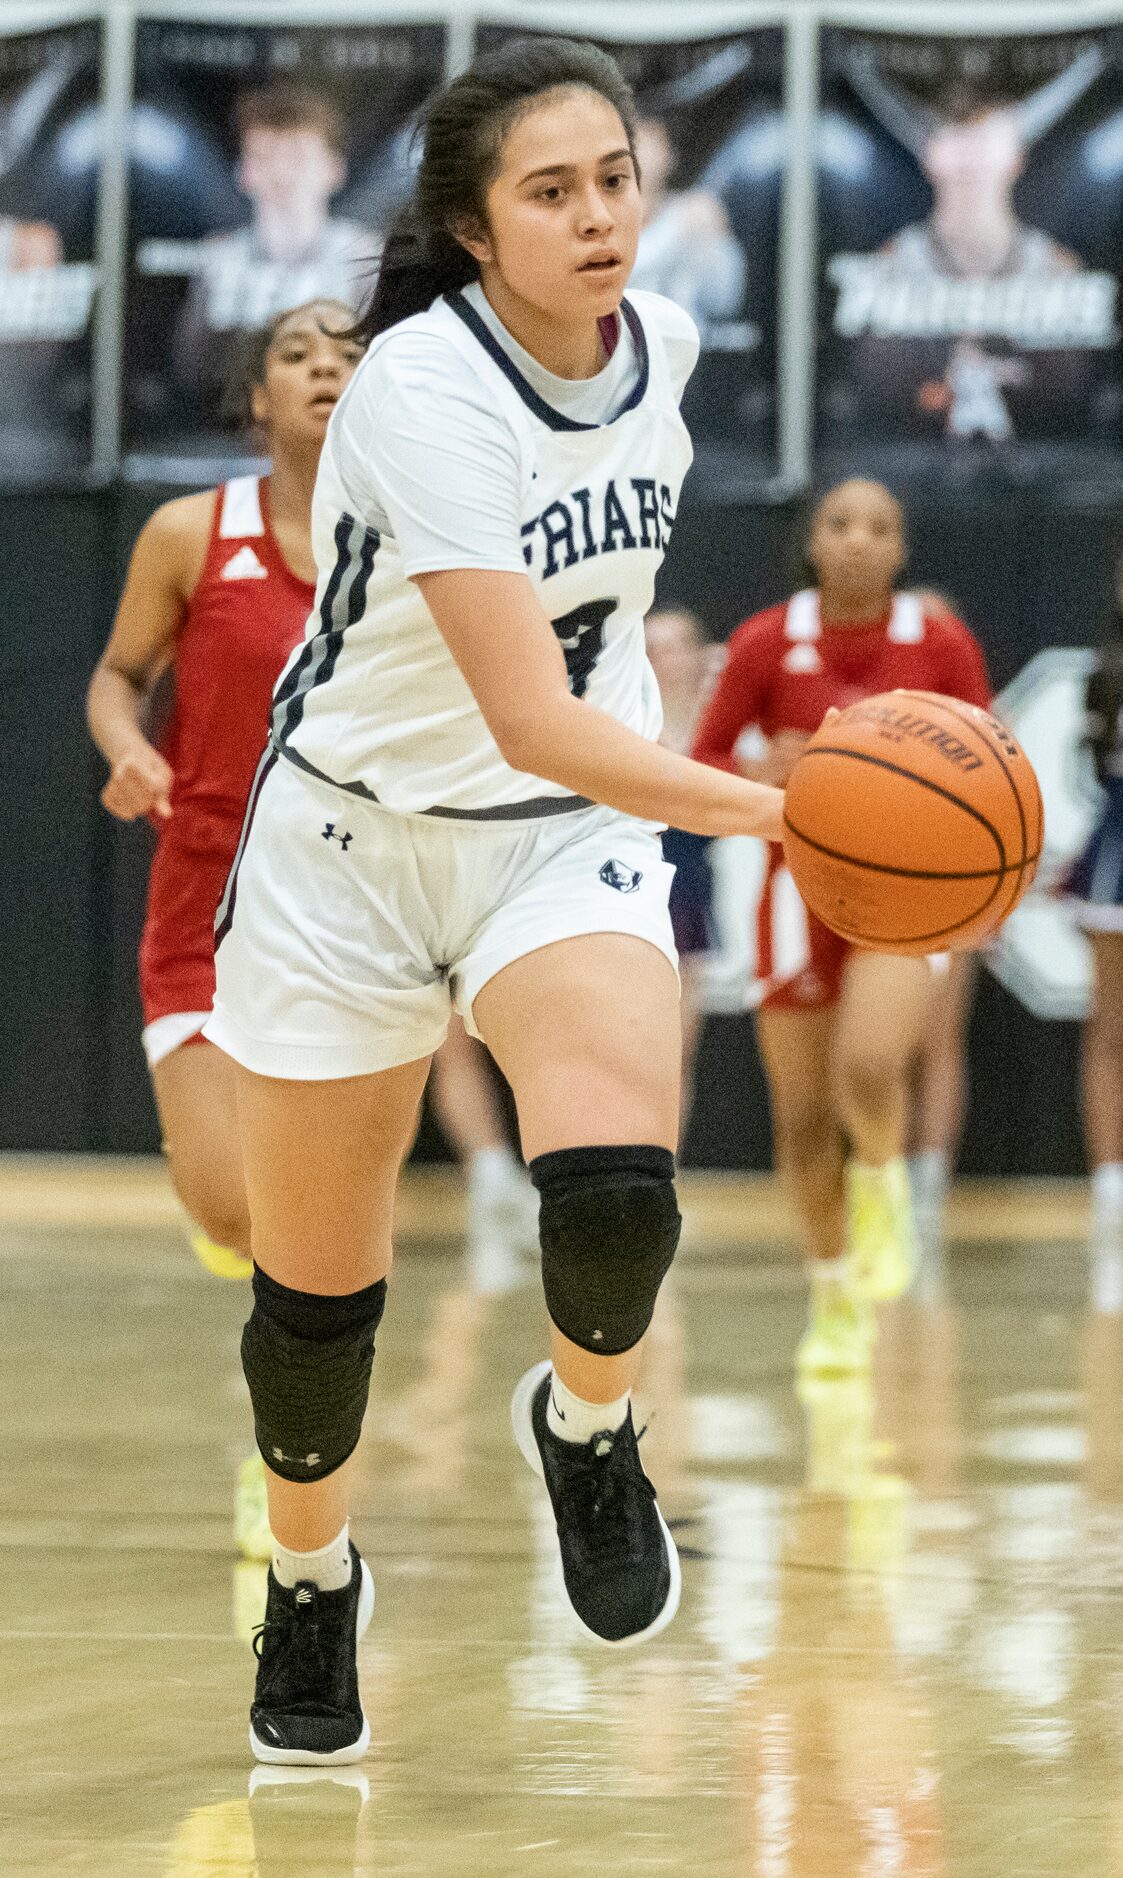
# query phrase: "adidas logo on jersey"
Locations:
[[802, 658], [244, 566]]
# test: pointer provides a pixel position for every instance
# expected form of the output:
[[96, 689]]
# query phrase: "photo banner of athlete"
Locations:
[[50, 154], [969, 194], [265, 163], [711, 148]]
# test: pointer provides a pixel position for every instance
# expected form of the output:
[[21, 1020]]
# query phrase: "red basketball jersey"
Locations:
[[247, 612], [784, 669]]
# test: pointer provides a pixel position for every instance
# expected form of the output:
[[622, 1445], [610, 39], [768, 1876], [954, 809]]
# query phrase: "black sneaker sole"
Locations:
[[354, 1751], [523, 1429]]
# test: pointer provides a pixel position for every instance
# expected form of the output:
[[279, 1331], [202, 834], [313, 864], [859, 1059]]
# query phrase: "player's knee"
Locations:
[[221, 1213], [609, 1227], [871, 1083], [307, 1360], [801, 1134], [227, 1226]]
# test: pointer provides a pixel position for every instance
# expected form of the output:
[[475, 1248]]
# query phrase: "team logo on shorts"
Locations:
[[624, 879]]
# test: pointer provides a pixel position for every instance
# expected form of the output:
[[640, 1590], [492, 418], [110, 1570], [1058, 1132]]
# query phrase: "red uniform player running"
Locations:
[[839, 1027], [219, 589]]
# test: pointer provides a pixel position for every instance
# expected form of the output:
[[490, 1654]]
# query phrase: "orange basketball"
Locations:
[[913, 823]]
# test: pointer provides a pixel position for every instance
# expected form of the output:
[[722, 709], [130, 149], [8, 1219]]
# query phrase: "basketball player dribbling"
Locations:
[[461, 805], [219, 588], [838, 1027]]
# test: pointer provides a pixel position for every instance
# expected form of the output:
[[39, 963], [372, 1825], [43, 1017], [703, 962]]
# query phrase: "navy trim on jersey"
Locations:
[[224, 917], [555, 419], [343, 605], [533, 809]]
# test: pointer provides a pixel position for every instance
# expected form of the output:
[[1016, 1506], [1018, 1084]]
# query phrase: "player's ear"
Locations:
[[259, 404], [471, 235]]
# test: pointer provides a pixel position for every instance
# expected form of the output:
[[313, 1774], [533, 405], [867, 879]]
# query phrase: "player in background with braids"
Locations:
[[838, 1027], [219, 588]]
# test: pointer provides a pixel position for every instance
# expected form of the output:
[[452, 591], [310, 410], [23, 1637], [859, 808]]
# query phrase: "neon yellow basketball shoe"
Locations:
[[884, 1252], [251, 1511], [839, 1417], [220, 1260], [841, 1328]]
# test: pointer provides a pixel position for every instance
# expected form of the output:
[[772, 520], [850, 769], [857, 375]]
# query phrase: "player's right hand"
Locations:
[[140, 783]]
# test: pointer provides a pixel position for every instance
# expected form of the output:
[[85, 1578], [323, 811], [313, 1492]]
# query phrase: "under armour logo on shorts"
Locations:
[[624, 879], [330, 835]]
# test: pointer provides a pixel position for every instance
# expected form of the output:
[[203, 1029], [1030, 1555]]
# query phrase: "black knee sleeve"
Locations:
[[609, 1227], [307, 1361]]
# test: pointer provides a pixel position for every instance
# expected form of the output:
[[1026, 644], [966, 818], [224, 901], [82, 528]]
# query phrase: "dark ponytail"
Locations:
[[462, 130]]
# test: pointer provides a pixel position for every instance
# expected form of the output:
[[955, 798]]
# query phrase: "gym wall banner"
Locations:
[[969, 231], [264, 165], [50, 156], [711, 147]]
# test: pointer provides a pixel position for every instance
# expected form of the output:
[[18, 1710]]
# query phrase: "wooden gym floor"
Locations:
[[900, 1650]]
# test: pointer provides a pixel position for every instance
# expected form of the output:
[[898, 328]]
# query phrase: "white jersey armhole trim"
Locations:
[[241, 509], [906, 625]]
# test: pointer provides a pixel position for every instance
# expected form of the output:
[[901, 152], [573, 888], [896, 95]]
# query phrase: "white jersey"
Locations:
[[373, 701]]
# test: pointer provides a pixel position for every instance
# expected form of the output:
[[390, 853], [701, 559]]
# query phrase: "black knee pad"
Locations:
[[609, 1227], [307, 1361]]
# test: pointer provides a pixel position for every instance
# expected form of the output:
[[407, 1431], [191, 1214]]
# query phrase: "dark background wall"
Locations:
[[1027, 570]]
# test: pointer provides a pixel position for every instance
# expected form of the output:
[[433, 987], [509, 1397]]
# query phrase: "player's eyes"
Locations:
[[617, 179], [551, 193]]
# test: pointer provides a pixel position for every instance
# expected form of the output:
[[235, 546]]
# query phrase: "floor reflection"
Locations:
[[292, 1820], [899, 1653]]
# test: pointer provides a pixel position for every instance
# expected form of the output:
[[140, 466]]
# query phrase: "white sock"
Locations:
[[929, 1173], [1107, 1280], [329, 1567], [867, 1171], [572, 1419], [830, 1273], [490, 1171], [1107, 1189]]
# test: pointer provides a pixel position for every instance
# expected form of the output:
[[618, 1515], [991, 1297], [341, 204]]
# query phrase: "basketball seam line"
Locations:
[[896, 769], [996, 751], [911, 873]]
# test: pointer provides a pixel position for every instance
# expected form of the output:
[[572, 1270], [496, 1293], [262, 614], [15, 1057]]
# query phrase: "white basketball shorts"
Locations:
[[348, 933]]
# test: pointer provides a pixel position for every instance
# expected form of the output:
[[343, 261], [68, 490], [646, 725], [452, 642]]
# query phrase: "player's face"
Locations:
[[294, 170], [306, 370], [563, 210], [857, 544], [979, 159]]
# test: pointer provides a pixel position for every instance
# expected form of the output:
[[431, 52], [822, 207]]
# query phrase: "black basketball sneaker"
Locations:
[[306, 1710], [621, 1568]]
